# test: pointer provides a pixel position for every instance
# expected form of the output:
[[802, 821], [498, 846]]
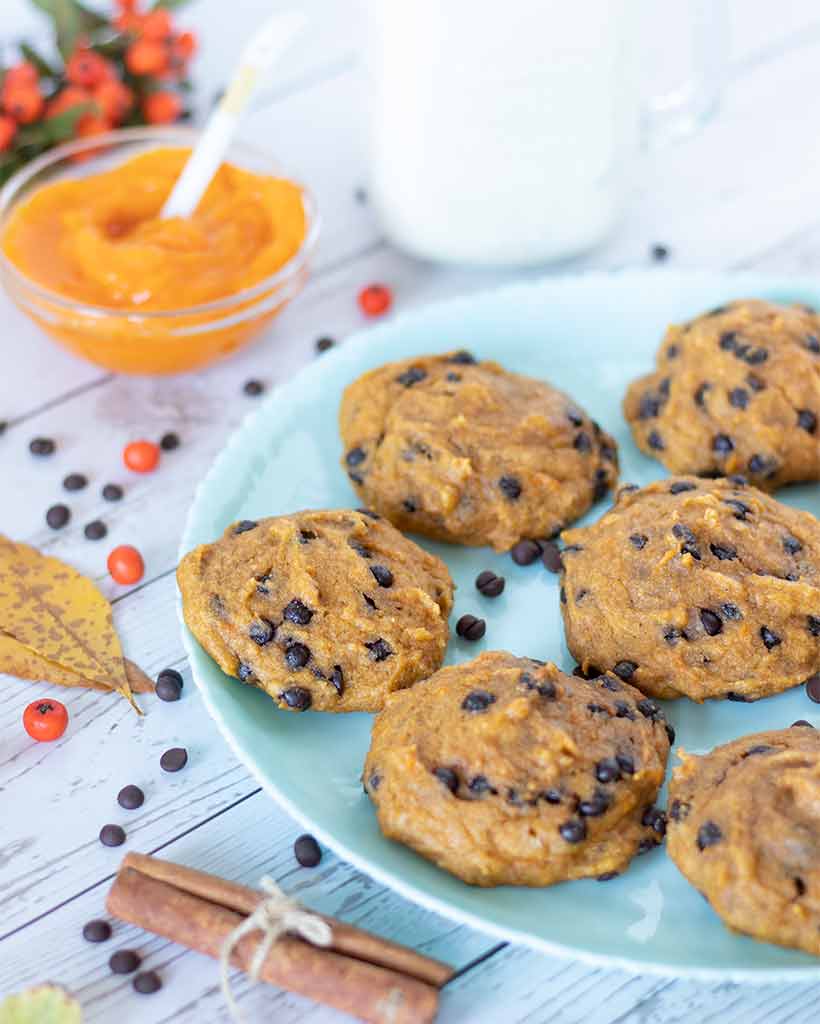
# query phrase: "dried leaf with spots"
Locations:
[[59, 616], [17, 660], [45, 1004]]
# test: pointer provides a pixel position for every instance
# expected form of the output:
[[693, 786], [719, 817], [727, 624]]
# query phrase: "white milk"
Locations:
[[501, 133]]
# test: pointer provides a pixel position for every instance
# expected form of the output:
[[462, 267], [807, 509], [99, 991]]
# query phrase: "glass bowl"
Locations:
[[152, 342]]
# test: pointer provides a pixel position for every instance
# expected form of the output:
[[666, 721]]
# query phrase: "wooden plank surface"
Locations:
[[743, 193]]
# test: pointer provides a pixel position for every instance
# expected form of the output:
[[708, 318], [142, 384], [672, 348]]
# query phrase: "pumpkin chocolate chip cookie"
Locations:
[[323, 610], [702, 588], [467, 452], [736, 390], [744, 822], [505, 770]]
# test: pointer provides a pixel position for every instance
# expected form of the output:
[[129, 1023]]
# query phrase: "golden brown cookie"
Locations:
[[736, 390], [469, 453], [323, 610], [744, 828], [702, 588], [505, 770]]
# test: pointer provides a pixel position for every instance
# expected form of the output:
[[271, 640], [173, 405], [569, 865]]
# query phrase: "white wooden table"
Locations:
[[742, 194]]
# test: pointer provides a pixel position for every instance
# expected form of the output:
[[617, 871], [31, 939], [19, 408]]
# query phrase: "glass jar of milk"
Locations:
[[507, 133]]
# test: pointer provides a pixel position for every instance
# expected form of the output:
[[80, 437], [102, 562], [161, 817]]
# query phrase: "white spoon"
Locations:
[[266, 47]]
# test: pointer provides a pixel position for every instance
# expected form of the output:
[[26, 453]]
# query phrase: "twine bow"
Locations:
[[274, 916]]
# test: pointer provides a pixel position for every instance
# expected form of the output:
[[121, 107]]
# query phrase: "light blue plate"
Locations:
[[588, 335]]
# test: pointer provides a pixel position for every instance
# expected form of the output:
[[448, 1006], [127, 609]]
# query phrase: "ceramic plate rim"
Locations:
[[371, 336]]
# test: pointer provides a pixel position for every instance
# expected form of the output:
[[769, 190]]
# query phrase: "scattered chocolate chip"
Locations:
[[582, 442], [480, 784], [812, 344], [801, 723], [410, 505], [807, 420], [75, 482], [624, 710], [552, 556], [625, 670], [678, 810], [813, 688], [453, 377], [147, 982], [57, 516], [670, 732], [96, 931], [253, 388], [659, 253], [488, 584], [124, 961], [379, 649], [297, 698], [112, 492], [174, 760], [510, 487], [672, 352], [169, 442], [700, 394], [799, 887], [130, 797], [722, 444], [412, 375], [382, 575], [607, 876], [607, 770], [769, 638], [337, 679], [543, 688], [595, 805], [739, 698], [739, 398], [638, 540], [95, 530], [357, 478], [741, 509], [655, 441], [112, 835], [608, 683], [753, 356], [296, 656], [297, 612], [478, 700], [709, 834], [649, 709], [42, 446], [244, 525], [813, 623], [731, 611], [307, 851], [447, 777], [679, 486], [573, 831], [471, 628], [625, 763], [525, 552], [654, 818], [711, 622], [324, 343], [672, 634], [725, 552], [762, 465], [728, 341], [755, 383], [597, 709], [169, 685], [761, 748], [355, 456], [261, 632]]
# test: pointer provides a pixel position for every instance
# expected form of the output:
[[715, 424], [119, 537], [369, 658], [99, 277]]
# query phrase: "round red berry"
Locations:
[[141, 456], [125, 564], [375, 299], [45, 720]]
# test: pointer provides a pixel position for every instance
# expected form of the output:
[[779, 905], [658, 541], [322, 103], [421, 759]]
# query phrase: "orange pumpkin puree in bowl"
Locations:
[[98, 241]]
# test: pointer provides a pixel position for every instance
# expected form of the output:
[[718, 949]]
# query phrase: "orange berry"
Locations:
[[128, 21], [70, 96], [23, 73], [141, 456], [146, 57], [45, 720], [113, 99], [125, 564], [91, 124], [161, 107], [375, 299], [23, 102], [185, 45], [8, 129], [87, 68], [157, 25], [128, 6]]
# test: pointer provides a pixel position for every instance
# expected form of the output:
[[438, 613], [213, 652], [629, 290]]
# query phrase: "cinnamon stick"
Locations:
[[346, 939], [374, 994]]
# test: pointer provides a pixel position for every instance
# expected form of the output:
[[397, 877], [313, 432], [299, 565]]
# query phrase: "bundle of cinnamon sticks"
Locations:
[[360, 974]]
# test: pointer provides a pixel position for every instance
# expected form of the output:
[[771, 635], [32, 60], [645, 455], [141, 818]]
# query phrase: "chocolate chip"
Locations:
[[678, 810], [607, 876], [112, 492], [655, 441], [654, 818], [791, 545], [625, 670], [709, 834], [731, 611], [679, 486], [649, 406], [169, 442], [582, 443], [96, 931], [739, 398], [769, 638], [488, 584], [95, 530], [711, 623], [525, 552], [383, 576], [124, 961], [455, 378], [813, 688], [244, 525], [147, 982], [297, 612], [799, 886], [174, 760], [480, 784], [722, 444], [307, 851], [638, 540], [573, 831], [700, 394], [357, 478], [245, 673], [741, 509], [762, 465], [261, 632], [813, 623], [477, 700], [379, 649], [597, 709], [410, 505], [807, 420], [470, 628], [42, 446], [253, 388], [355, 456], [753, 356], [130, 797], [594, 806], [297, 698], [649, 709], [296, 656], [575, 417], [169, 685], [608, 683], [625, 763], [57, 516], [510, 487], [75, 482], [761, 748], [463, 358], [623, 710], [812, 344], [724, 552], [412, 375], [607, 770], [659, 254], [112, 835], [670, 733], [737, 697], [728, 341], [337, 679], [324, 343], [447, 777], [552, 556], [672, 634]]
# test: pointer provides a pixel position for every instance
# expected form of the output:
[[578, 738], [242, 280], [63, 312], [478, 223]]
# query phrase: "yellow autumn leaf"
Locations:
[[18, 660], [60, 615], [45, 1004]]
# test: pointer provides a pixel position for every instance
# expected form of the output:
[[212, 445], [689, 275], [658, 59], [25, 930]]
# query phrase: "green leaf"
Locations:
[[33, 57], [71, 20], [169, 5], [62, 126]]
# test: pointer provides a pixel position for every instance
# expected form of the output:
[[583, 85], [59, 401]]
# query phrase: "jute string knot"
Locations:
[[275, 916]]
